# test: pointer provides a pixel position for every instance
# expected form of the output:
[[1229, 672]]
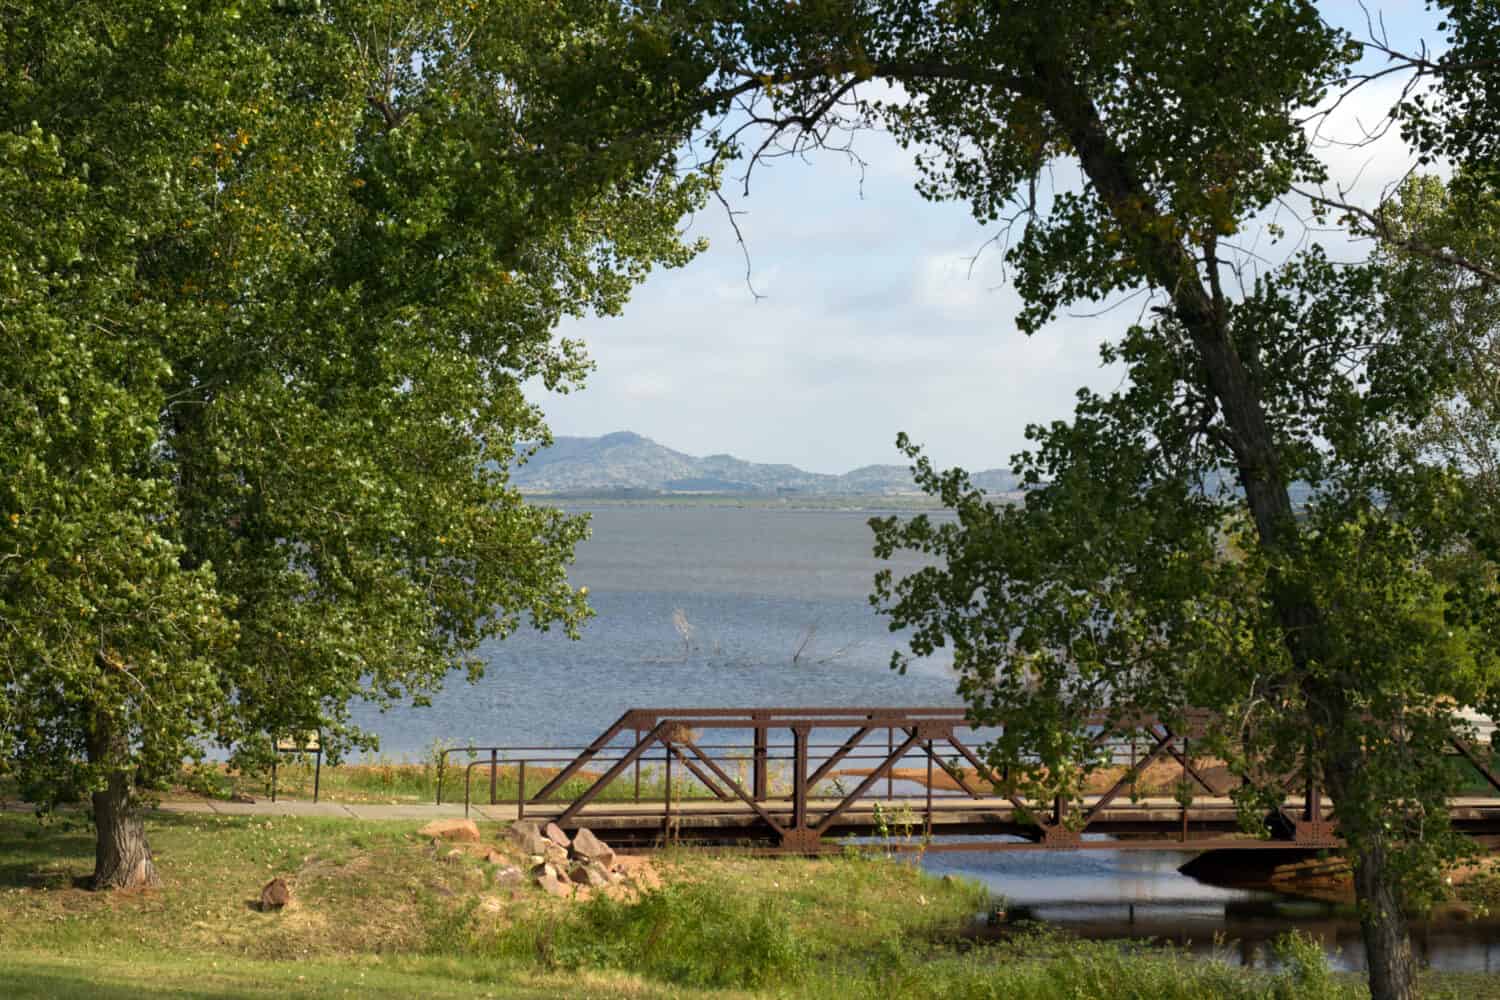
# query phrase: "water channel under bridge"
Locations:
[[801, 780]]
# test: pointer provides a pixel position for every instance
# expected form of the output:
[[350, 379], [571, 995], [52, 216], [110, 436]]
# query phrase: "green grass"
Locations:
[[113, 976], [404, 780], [379, 912]]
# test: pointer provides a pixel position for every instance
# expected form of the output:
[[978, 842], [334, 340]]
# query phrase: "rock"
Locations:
[[509, 875], [526, 835], [554, 833], [521, 829], [588, 873], [557, 855], [554, 886], [452, 829], [591, 848], [275, 895]]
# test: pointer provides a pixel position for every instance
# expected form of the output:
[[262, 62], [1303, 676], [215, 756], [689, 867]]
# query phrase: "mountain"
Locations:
[[627, 462]]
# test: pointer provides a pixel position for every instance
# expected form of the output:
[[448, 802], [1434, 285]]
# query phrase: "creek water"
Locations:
[[753, 587]]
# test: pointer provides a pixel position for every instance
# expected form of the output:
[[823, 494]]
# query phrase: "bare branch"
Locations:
[[1375, 224]]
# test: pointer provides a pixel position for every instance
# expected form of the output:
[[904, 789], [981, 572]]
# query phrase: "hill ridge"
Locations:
[[626, 461]]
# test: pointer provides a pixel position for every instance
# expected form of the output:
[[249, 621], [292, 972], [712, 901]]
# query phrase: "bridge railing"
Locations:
[[793, 768]]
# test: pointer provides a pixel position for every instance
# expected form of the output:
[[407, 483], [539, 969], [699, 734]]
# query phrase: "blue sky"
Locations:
[[872, 320]]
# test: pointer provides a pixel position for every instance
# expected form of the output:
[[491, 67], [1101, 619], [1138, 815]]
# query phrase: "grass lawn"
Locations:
[[378, 912]]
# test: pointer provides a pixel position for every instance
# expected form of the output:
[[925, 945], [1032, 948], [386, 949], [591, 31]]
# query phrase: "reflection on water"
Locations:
[[1140, 895]]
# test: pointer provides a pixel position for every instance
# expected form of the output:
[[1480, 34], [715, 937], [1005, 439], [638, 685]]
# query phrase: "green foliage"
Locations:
[[272, 278], [687, 934], [1304, 971]]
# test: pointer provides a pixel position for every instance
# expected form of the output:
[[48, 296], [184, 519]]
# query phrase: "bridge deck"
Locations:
[[1161, 820], [722, 789]]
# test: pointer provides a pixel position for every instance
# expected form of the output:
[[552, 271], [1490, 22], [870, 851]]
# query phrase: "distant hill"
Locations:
[[625, 462]]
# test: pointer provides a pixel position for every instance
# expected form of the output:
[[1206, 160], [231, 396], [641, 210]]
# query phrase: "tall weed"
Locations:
[[689, 935]]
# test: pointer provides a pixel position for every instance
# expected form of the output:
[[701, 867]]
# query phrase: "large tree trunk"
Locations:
[[1203, 314], [1382, 922], [1382, 910], [122, 858]]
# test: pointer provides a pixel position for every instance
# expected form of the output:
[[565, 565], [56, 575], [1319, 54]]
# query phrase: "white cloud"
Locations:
[[871, 325]]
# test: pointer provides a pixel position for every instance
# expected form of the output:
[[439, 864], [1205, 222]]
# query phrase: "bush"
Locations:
[[690, 935]]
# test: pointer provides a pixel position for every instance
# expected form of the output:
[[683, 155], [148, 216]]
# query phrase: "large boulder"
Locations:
[[527, 836], [452, 829], [555, 833], [589, 873], [553, 884], [588, 847], [275, 895]]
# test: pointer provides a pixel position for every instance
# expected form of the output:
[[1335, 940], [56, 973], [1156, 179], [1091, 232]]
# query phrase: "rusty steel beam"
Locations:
[[620, 767], [749, 800], [1467, 751], [589, 753], [1127, 778], [675, 748], [800, 823], [843, 751], [643, 719], [1187, 766], [875, 775]]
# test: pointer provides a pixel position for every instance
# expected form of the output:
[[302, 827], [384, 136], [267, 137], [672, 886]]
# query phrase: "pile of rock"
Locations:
[[559, 862]]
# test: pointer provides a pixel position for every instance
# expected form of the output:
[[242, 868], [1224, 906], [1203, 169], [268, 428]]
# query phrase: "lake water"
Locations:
[[751, 582]]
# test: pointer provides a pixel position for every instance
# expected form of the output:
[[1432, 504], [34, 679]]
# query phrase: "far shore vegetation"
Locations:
[[649, 498]]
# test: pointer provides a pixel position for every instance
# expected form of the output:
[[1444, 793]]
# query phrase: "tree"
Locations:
[[1441, 292], [1339, 637], [273, 275]]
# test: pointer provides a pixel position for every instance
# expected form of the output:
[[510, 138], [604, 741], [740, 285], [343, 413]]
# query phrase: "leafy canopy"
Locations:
[[273, 275]]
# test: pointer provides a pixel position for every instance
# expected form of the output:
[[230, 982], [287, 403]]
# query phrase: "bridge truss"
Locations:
[[804, 780]]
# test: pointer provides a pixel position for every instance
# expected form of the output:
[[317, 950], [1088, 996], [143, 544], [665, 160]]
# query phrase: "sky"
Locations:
[[875, 317]]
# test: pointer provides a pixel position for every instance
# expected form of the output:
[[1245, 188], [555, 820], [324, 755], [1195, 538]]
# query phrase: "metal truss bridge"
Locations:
[[804, 780]]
